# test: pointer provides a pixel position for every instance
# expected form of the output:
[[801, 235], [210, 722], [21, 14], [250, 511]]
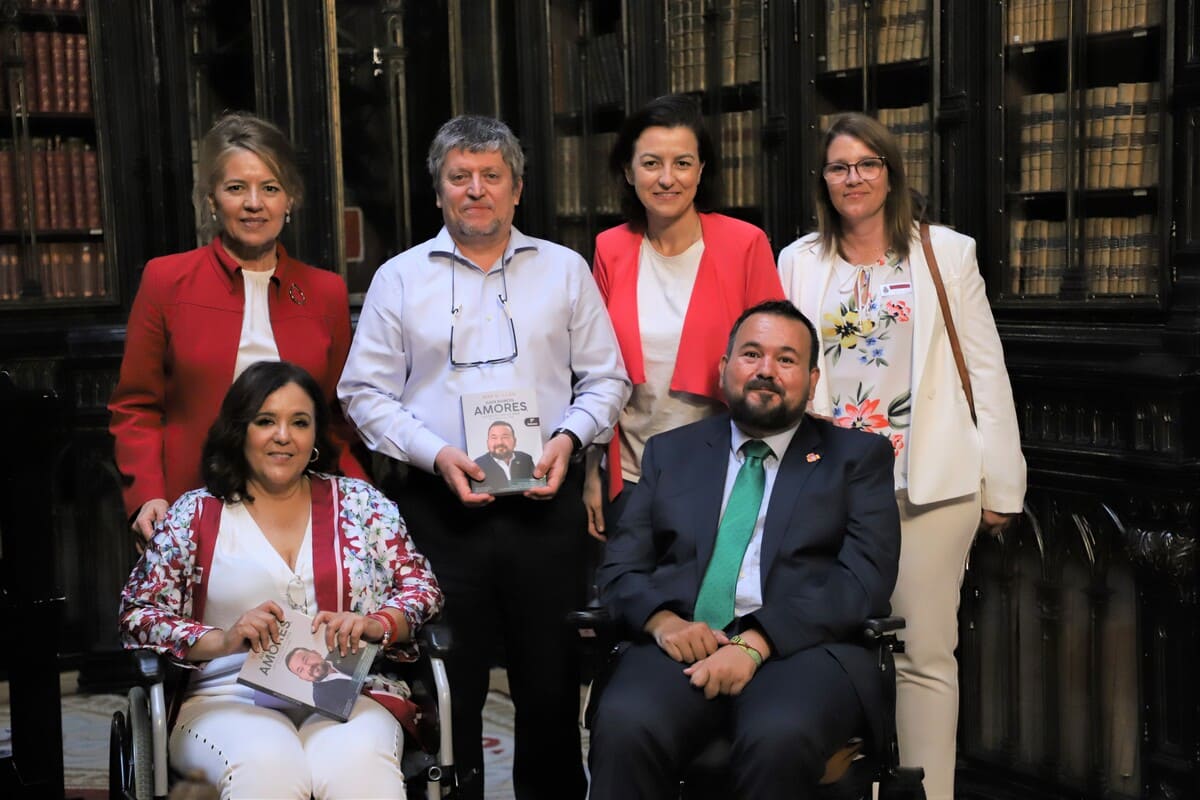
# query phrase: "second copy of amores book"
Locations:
[[504, 437], [302, 670]]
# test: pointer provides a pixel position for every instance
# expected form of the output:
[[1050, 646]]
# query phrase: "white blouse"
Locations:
[[664, 292], [258, 340]]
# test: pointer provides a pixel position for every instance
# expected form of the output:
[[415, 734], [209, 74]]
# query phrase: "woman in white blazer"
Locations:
[[887, 367]]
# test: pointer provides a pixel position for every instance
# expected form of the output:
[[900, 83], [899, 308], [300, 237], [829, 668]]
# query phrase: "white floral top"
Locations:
[[380, 568], [866, 330]]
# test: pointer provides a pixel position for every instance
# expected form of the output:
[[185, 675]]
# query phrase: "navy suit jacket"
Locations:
[[334, 693], [521, 468], [830, 547]]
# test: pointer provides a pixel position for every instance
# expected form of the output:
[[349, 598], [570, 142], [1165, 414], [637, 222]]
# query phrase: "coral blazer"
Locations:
[[181, 346], [737, 270]]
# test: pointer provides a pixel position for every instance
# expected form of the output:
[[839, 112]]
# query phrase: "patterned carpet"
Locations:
[[86, 721]]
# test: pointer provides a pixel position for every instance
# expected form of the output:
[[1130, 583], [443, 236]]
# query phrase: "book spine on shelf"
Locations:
[[91, 180], [86, 266], [8, 188], [83, 77], [40, 201], [58, 78], [78, 192], [60, 197], [44, 67]]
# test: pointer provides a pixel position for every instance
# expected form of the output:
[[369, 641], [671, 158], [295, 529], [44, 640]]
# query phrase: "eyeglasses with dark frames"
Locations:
[[456, 309], [868, 169]]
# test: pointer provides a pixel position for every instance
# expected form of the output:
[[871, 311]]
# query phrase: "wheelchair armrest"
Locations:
[[435, 639], [594, 617], [149, 667], [876, 628]]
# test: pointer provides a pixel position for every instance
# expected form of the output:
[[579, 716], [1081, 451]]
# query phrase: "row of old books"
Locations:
[[564, 59], [577, 155], [902, 34], [57, 74], [605, 67], [62, 182], [741, 159], [913, 130], [62, 270], [53, 5], [1120, 138], [1037, 257], [739, 40], [1121, 135], [606, 70], [1044, 20], [1119, 256]]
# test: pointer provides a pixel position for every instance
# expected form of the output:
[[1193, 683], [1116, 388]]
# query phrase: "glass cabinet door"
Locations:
[[55, 246], [715, 53], [587, 56], [1187, 57], [878, 57], [1081, 122]]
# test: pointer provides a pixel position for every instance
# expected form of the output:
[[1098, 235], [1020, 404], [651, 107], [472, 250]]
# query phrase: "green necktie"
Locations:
[[714, 603]]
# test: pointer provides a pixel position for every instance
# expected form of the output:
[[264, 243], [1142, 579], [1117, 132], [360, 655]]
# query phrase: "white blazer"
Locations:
[[948, 456]]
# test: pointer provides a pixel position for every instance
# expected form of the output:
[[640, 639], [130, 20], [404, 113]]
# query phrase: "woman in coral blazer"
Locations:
[[201, 317], [674, 280], [887, 367]]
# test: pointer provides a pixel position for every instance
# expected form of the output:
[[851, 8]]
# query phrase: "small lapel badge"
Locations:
[[297, 295], [812, 458]]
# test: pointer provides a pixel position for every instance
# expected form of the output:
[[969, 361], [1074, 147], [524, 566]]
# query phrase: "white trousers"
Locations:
[[935, 542], [253, 752]]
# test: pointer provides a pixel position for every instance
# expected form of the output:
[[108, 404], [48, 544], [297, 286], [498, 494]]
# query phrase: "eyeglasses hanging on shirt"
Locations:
[[297, 597], [455, 313]]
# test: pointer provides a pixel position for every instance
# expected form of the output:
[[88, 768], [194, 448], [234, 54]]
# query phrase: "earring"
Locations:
[[287, 217], [213, 214], [315, 455]]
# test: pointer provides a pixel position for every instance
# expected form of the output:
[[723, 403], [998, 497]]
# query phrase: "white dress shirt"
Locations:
[[399, 387], [748, 596]]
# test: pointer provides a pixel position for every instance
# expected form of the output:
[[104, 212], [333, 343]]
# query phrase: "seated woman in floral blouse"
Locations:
[[272, 529]]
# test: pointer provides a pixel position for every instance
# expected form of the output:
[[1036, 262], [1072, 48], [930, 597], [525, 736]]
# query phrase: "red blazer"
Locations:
[[180, 350], [737, 270]]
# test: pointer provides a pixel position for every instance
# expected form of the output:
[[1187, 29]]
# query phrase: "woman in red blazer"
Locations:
[[201, 317], [674, 279]]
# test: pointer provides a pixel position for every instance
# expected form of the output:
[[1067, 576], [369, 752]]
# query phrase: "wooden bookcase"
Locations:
[[55, 243], [1079, 185], [883, 58]]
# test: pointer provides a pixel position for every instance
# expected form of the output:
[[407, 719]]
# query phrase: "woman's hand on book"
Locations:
[[256, 630], [345, 629]]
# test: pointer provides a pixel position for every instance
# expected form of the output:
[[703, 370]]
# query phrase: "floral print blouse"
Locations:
[[866, 332], [380, 568]]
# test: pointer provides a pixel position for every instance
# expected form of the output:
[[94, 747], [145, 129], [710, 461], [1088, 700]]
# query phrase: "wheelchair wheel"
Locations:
[[118, 757], [142, 745]]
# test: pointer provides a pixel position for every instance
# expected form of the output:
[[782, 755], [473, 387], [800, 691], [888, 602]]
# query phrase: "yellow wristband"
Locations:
[[748, 648]]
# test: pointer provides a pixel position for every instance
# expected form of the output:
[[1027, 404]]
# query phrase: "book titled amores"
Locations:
[[300, 669], [504, 437]]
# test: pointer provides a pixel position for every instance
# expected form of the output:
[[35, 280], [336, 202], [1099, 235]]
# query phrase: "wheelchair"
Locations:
[[137, 756], [846, 778]]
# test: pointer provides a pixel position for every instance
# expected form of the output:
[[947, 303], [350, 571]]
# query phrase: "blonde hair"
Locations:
[[241, 130]]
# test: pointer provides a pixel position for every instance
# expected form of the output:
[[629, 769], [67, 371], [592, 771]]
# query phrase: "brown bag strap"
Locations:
[[951, 331]]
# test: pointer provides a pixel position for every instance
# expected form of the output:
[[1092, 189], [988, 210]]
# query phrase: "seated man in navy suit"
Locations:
[[750, 553], [502, 462], [332, 688]]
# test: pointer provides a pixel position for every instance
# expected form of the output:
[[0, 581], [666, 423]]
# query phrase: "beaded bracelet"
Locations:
[[748, 648], [389, 626]]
